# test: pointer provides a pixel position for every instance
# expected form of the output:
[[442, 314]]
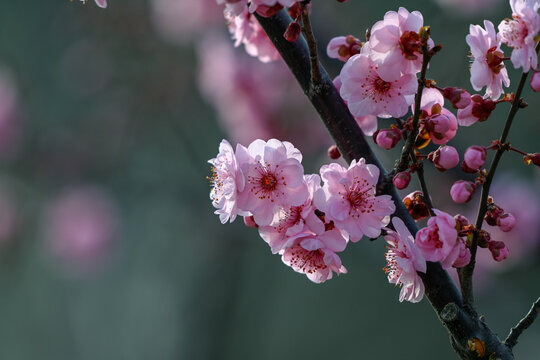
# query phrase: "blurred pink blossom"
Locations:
[[80, 226], [185, 20], [464, 8], [10, 120]]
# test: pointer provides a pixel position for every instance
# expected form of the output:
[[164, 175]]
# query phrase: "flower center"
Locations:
[[268, 182], [410, 44], [381, 86], [308, 262], [494, 59], [513, 32]]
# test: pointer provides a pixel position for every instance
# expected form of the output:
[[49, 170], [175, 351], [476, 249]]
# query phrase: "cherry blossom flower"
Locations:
[[274, 178], [464, 257], [315, 255], [256, 3], [227, 181], [343, 47], [404, 260], [236, 7], [520, 33], [487, 68], [80, 226], [293, 220], [396, 45], [439, 240], [366, 93], [246, 30], [368, 123], [348, 198]]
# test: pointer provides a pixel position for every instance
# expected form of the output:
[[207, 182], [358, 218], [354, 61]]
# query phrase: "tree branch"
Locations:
[[440, 289], [523, 324]]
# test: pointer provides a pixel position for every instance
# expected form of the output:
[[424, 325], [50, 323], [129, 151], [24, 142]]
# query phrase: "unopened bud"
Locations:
[[492, 214], [458, 97], [444, 158], [268, 11], [535, 80], [462, 191], [387, 138], [333, 152], [293, 32], [506, 222], [498, 250], [402, 180], [474, 158]]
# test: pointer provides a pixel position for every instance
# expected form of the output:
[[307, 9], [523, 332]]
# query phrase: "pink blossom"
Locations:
[[315, 255], [246, 30], [474, 158], [487, 68], [227, 181], [274, 178], [444, 158], [520, 33], [404, 260], [368, 123], [396, 45], [506, 222], [80, 226], [343, 47], [10, 119], [462, 191], [182, 21], [479, 109], [535, 81], [293, 220], [366, 93], [236, 7], [464, 257], [348, 198], [439, 240], [255, 3]]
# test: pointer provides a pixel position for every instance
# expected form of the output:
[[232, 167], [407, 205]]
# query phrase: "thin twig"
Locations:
[[316, 77], [523, 324], [422, 181], [466, 273], [404, 159]]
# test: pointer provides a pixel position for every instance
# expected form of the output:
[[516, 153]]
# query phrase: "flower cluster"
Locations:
[[305, 222]]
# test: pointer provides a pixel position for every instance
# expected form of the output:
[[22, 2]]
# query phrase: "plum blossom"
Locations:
[[487, 68], [479, 109], [274, 178], [293, 220], [396, 45], [343, 47], [464, 257], [315, 255], [227, 181], [520, 32], [404, 260], [246, 30], [439, 240], [368, 123], [234, 6], [366, 93], [348, 198], [256, 3], [80, 226]]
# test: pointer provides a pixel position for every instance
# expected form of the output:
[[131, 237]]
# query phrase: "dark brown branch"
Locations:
[[439, 288], [408, 148], [466, 273], [523, 324], [312, 46]]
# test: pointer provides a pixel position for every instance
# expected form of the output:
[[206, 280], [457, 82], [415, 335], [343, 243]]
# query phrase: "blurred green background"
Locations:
[[105, 101]]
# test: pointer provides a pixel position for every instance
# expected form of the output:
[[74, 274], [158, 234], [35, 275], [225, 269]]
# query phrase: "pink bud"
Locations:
[[249, 221], [438, 126], [402, 180], [387, 138], [492, 214], [498, 249], [461, 221], [293, 32], [464, 257], [459, 97], [444, 158], [462, 191], [535, 80], [506, 222], [474, 158]]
